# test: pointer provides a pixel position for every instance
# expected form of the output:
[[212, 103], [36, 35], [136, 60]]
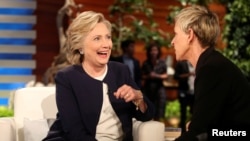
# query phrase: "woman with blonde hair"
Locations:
[[96, 98], [222, 92]]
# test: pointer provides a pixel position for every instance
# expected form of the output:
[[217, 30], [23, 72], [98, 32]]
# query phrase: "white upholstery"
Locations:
[[7, 130], [37, 103]]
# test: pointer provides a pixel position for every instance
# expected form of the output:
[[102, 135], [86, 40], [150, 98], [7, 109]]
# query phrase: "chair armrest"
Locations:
[[148, 131], [7, 129]]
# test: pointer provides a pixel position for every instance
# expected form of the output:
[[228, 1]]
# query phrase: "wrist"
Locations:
[[138, 101]]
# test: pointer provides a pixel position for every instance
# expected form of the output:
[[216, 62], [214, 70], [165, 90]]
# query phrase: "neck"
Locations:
[[194, 57], [94, 71]]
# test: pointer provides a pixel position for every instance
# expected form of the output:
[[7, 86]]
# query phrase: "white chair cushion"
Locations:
[[43, 106], [35, 130], [151, 131], [7, 131]]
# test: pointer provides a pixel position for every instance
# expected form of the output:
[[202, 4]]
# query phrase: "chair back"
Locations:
[[33, 103]]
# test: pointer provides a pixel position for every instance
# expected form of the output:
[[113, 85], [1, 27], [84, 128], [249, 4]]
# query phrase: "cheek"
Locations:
[[111, 44], [175, 42]]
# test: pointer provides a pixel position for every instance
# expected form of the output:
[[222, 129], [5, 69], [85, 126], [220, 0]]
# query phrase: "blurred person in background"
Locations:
[[184, 74], [127, 57], [154, 71]]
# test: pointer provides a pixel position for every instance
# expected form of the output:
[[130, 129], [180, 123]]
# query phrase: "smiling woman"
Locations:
[[100, 32], [97, 93], [97, 46]]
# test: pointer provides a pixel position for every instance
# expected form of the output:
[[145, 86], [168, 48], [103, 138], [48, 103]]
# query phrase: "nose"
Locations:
[[172, 43], [107, 43]]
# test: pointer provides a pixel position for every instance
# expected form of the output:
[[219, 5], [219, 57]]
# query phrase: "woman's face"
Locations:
[[154, 52], [97, 46], [180, 43]]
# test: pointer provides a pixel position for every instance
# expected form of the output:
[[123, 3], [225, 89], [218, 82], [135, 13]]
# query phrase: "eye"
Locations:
[[109, 37], [97, 38]]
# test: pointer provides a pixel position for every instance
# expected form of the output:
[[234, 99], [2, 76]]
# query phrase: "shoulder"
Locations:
[[70, 69], [212, 59], [218, 60], [117, 58], [217, 66], [116, 65], [118, 69]]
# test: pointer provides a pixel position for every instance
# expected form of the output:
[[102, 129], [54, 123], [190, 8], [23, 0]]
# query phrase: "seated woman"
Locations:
[[96, 98]]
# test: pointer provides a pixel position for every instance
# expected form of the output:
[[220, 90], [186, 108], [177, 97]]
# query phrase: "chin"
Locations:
[[177, 58], [103, 62]]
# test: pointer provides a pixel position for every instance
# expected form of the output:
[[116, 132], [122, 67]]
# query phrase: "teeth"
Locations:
[[102, 53]]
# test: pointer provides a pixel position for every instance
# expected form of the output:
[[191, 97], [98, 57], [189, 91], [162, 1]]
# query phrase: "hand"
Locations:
[[187, 125], [128, 93], [160, 76], [192, 73], [153, 75]]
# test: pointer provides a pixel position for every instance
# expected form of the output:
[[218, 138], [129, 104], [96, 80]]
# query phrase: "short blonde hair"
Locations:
[[204, 23], [78, 30]]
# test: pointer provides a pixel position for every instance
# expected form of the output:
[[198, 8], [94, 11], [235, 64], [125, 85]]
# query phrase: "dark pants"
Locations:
[[186, 99], [157, 95]]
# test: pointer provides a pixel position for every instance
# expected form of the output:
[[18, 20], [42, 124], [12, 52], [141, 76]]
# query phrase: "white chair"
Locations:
[[34, 105]]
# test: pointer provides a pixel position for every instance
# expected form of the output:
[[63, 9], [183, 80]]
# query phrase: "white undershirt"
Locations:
[[109, 126], [191, 78]]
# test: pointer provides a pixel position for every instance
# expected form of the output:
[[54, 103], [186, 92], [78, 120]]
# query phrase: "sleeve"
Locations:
[[176, 74], [178, 70], [69, 113], [149, 113], [207, 110], [145, 69], [161, 67]]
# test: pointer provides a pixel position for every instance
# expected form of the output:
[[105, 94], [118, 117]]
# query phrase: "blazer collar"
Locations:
[[203, 57]]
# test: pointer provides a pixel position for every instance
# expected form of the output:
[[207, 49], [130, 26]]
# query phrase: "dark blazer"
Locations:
[[222, 97], [137, 69], [79, 100]]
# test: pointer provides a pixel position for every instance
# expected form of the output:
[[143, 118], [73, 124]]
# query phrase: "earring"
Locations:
[[80, 51]]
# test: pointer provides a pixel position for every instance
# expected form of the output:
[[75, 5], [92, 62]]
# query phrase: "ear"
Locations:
[[191, 35]]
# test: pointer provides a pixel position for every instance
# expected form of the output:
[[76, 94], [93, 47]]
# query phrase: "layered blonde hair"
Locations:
[[78, 30], [202, 21]]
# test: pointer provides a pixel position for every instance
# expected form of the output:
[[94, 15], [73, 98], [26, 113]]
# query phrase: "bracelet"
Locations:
[[138, 102]]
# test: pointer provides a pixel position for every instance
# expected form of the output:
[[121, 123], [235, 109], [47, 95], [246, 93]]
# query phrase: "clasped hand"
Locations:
[[128, 93]]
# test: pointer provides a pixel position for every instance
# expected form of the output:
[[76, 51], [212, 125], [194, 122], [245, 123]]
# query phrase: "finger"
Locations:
[[121, 91], [128, 92], [128, 97], [116, 95], [118, 92]]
